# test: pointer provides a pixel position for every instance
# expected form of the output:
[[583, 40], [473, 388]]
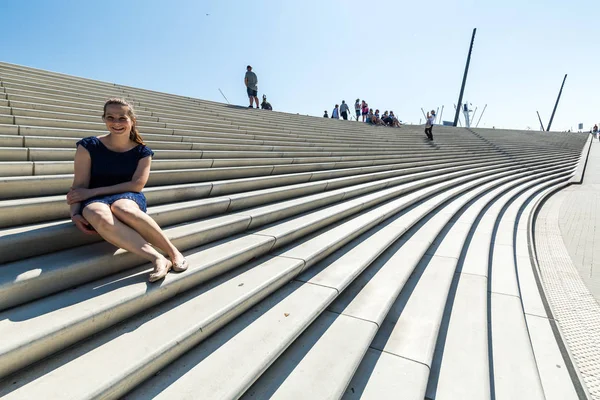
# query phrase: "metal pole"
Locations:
[[459, 124], [556, 105], [424, 116], [541, 123], [224, 96], [442, 113], [464, 81], [481, 116], [474, 113]]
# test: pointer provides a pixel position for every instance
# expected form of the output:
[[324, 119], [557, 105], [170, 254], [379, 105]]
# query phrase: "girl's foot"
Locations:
[[180, 264], [161, 269]]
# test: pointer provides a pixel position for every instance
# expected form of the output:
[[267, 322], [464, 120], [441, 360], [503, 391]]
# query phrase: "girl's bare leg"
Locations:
[[117, 233], [128, 212]]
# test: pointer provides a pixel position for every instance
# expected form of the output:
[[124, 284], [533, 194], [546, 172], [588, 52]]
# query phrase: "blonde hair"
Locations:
[[134, 135]]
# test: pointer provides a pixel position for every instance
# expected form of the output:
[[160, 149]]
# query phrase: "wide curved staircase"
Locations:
[[329, 259]]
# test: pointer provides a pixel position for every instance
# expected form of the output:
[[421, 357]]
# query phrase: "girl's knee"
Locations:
[[99, 215], [125, 209]]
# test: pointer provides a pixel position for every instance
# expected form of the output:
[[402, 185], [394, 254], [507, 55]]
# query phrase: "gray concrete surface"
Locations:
[[579, 221], [567, 240]]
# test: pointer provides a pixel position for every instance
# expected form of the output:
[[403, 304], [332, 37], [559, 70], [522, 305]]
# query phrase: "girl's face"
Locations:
[[117, 121]]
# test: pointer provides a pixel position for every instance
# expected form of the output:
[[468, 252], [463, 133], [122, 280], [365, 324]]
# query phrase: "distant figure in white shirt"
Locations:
[[429, 124]]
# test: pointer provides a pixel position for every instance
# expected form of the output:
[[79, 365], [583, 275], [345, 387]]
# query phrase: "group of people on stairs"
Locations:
[[369, 115]]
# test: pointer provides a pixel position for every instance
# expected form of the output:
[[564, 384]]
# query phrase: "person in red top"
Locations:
[[365, 110]]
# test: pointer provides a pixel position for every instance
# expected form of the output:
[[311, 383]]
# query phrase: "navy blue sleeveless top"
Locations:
[[111, 167]]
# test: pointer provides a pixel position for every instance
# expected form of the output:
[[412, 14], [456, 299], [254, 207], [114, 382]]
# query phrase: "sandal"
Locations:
[[182, 266], [158, 275]]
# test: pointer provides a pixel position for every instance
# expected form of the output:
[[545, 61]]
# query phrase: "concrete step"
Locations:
[[46, 86], [209, 137], [111, 298], [325, 357], [194, 371], [164, 150], [411, 328], [38, 112], [174, 144], [325, 247], [466, 314], [58, 235], [301, 232], [15, 212], [367, 299], [84, 263], [30, 186], [37, 168]]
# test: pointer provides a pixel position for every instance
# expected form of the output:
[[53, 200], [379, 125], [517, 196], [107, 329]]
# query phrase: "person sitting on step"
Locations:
[[106, 198], [375, 120], [387, 119], [395, 121], [370, 116], [265, 105]]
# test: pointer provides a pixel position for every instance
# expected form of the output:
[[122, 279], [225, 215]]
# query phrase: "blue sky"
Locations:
[[310, 55]]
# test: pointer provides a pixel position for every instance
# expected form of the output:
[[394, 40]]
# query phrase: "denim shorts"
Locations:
[[251, 93], [139, 199]]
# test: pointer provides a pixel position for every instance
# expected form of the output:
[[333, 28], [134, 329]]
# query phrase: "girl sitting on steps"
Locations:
[[106, 198]]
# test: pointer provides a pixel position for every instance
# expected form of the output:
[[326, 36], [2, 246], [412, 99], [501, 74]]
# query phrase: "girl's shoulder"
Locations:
[[144, 151], [90, 143]]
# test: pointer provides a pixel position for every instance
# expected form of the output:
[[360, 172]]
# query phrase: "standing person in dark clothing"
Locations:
[[429, 124], [325, 115], [251, 82], [344, 110]]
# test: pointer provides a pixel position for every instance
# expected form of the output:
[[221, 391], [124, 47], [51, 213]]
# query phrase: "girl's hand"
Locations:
[[78, 195], [82, 224]]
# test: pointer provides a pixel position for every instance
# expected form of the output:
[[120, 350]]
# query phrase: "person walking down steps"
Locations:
[[251, 82], [344, 110], [429, 124], [106, 197]]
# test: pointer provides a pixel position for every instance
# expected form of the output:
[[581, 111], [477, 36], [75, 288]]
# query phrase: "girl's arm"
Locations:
[[81, 177], [136, 184], [81, 181]]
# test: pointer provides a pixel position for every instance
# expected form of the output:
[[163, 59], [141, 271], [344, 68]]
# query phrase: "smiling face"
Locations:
[[117, 119]]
